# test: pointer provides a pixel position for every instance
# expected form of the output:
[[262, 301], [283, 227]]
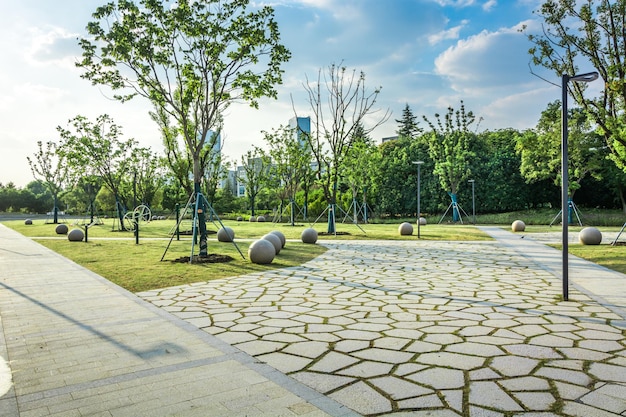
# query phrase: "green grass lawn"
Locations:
[[114, 254], [138, 267]]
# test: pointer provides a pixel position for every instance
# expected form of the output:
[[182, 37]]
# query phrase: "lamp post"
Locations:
[[585, 78], [473, 203], [419, 222]]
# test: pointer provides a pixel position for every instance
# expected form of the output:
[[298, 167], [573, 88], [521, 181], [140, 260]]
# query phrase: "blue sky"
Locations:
[[428, 53]]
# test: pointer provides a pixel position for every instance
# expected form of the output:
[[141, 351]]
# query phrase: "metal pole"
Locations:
[[564, 187], [588, 77], [419, 208], [473, 203]]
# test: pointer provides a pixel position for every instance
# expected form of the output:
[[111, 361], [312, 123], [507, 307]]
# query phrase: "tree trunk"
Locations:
[[201, 207], [55, 210], [456, 216]]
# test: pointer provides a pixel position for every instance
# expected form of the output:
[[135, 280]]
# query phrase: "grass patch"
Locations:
[[248, 230], [612, 257], [139, 268]]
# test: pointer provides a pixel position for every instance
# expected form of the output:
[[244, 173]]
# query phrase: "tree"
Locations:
[[358, 169], [255, 164], [408, 126], [191, 59], [97, 149], [49, 166], [340, 103], [147, 175], [291, 159], [449, 146], [594, 32], [540, 149]]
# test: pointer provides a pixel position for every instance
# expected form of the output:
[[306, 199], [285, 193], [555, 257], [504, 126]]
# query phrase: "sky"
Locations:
[[429, 54]]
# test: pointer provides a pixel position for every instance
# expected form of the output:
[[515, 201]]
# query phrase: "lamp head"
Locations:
[[585, 78]]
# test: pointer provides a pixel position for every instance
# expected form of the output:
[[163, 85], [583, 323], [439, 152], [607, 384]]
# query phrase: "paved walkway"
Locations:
[[396, 328]]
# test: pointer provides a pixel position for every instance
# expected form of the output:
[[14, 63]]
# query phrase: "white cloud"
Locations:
[[53, 46], [29, 93], [489, 5], [455, 3], [498, 113], [452, 33], [486, 61]]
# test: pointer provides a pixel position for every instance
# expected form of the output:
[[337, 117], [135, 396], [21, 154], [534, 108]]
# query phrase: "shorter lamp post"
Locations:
[[473, 202], [585, 78], [419, 222]]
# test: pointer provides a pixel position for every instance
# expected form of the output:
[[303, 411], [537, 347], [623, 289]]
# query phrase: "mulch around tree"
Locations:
[[211, 258]]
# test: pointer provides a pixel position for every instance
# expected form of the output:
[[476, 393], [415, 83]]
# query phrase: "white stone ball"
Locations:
[[405, 229], [225, 234], [590, 236], [61, 229], [75, 235], [518, 226], [275, 240], [422, 221], [261, 252], [309, 235], [281, 236]]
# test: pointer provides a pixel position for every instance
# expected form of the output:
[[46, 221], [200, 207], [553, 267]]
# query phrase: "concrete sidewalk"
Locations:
[[77, 345]]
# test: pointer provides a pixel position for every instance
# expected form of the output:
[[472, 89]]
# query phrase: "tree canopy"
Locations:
[[589, 33]]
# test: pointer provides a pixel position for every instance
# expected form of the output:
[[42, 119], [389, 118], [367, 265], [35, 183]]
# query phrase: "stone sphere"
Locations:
[[518, 226], [75, 235], [28, 221], [261, 252], [252, 219], [280, 234], [225, 234], [309, 235], [275, 240], [590, 236], [422, 221], [405, 229], [260, 219], [61, 229], [239, 218]]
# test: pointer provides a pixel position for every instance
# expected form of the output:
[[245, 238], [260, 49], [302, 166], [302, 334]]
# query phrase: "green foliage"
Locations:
[[256, 166], [449, 146], [540, 149], [408, 126], [190, 59], [591, 32]]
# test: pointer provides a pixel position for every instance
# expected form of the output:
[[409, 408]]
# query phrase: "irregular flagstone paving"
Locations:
[[404, 327]]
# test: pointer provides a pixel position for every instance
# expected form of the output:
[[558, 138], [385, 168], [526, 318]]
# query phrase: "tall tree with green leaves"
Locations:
[[540, 149], [96, 148], [408, 126], [291, 160], [49, 167], [256, 168], [340, 103], [589, 34], [358, 170], [191, 59], [450, 147]]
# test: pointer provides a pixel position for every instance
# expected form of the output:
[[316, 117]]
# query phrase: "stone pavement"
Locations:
[[427, 328], [397, 328]]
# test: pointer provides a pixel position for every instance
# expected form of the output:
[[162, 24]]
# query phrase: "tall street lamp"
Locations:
[[585, 78], [419, 211], [473, 202]]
